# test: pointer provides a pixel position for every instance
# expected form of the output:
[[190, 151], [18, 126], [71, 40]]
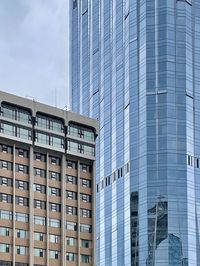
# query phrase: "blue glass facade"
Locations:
[[136, 67]]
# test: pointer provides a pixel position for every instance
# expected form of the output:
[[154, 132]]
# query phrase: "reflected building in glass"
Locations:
[[136, 67]]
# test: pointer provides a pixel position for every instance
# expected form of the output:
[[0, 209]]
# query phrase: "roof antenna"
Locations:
[[55, 97], [31, 98]]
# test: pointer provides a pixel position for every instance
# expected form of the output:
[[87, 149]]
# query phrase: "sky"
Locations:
[[34, 49]]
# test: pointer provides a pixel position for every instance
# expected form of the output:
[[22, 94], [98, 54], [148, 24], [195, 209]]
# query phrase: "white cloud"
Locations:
[[34, 49]]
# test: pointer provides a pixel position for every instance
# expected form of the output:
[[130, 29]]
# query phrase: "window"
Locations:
[[42, 138], [22, 153], [5, 231], [70, 241], [86, 213], [6, 215], [71, 164], [6, 165], [86, 183], [71, 179], [16, 113], [39, 188], [197, 162], [48, 139], [21, 250], [22, 217], [16, 131], [54, 254], [22, 184], [5, 248], [54, 207], [39, 252], [54, 239], [54, 223], [6, 149], [74, 4], [70, 256], [81, 132], [71, 226], [85, 197], [38, 236], [39, 204], [39, 157], [85, 243], [39, 220], [85, 258], [21, 168], [22, 201], [86, 228], [85, 168], [54, 160], [20, 233], [102, 184], [6, 198], [54, 176], [71, 210], [49, 123], [57, 142], [75, 146], [40, 172], [23, 133], [190, 161], [4, 181], [54, 191], [127, 167], [71, 195]]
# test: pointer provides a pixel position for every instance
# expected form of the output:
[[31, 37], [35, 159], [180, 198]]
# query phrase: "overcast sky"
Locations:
[[34, 49]]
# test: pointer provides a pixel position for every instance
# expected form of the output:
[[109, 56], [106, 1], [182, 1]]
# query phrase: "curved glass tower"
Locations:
[[136, 67]]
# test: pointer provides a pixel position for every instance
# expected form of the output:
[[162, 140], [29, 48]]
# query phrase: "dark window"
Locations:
[[71, 164], [54, 160], [85, 167], [74, 4], [39, 157], [190, 160], [6, 149], [22, 153]]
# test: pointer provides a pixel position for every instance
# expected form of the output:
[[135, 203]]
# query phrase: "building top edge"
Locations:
[[38, 107]]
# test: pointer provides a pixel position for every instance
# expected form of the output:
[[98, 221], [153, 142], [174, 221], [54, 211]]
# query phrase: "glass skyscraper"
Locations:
[[136, 67]]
